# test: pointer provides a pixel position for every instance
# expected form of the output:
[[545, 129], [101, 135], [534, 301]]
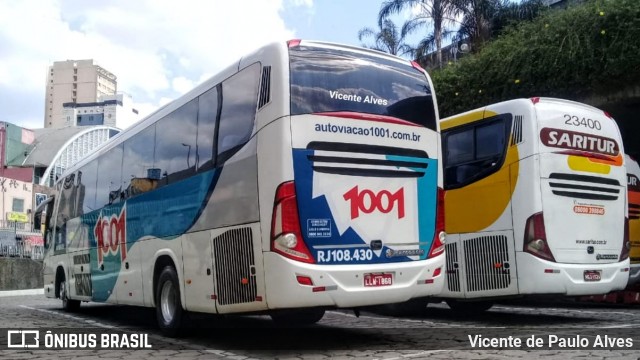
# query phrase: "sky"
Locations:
[[158, 49]]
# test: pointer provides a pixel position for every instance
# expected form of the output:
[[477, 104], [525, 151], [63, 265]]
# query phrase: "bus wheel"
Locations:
[[169, 311], [68, 305], [298, 317], [469, 307]]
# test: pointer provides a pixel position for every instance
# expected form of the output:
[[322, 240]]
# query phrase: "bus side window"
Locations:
[[207, 119], [475, 151], [63, 212], [238, 111]]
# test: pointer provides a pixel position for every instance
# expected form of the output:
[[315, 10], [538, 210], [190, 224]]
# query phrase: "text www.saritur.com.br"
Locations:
[[370, 131]]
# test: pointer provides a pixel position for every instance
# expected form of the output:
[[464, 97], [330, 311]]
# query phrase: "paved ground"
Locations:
[[438, 333]]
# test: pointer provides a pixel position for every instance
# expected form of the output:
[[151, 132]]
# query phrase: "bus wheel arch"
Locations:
[[61, 292], [167, 296], [60, 278]]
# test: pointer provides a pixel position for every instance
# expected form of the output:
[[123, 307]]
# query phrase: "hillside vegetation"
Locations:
[[585, 50]]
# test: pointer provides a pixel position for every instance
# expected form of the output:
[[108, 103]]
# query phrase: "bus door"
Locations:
[[79, 260], [582, 185], [43, 221], [479, 162], [71, 235]]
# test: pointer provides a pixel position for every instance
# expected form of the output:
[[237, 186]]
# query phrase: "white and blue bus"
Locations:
[[304, 177]]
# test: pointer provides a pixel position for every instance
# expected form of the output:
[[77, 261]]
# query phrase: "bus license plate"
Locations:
[[378, 279], [592, 275]]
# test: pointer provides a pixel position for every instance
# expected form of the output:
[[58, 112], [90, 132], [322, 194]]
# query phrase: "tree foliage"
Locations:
[[588, 49], [388, 39], [430, 12]]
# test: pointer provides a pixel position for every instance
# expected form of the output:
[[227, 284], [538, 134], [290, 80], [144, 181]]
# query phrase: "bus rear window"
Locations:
[[329, 80]]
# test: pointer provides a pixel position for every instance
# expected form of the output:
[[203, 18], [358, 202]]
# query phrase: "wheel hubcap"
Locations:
[[168, 301], [63, 292]]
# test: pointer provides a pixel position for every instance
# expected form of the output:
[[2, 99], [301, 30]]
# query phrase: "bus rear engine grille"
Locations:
[[235, 266], [486, 260], [584, 186], [367, 160], [453, 271]]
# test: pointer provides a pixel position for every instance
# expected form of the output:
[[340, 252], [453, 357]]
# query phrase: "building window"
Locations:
[[18, 205]]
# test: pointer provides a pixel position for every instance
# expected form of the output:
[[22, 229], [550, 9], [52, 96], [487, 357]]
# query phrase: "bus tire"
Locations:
[[298, 316], [169, 312], [469, 307], [68, 305]]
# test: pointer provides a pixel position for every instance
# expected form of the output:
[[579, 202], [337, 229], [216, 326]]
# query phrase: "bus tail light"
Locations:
[[416, 65], [293, 43], [440, 237], [626, 245], [535, 238], [286, 236]]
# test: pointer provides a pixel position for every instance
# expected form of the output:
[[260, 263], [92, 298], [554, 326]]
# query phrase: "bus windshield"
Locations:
[[331, 80]]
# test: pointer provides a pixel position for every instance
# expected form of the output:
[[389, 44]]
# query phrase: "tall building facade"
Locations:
[[110, 110], [74, 81]]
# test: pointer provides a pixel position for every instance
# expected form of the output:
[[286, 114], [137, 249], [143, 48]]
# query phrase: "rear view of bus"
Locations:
[[356, 220], [581, 233], [535, 201]]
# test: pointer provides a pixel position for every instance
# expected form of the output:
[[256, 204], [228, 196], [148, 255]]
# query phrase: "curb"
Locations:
[[22, 292]]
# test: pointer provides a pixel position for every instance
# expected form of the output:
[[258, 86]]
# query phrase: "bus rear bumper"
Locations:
[[343, 286], [537, 276]]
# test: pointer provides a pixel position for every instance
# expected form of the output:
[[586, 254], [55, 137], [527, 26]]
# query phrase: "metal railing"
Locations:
[[16, 225], [22, 251]]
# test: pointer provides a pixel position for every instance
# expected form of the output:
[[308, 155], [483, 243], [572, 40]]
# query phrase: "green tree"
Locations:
[[483, 19], [388, 39], [433, 12]]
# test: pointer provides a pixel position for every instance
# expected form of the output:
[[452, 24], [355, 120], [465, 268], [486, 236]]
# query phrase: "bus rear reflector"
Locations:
[[304, 280], [286, 236], [626, 245], [440, 237], [437, 272], [535, 238]]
